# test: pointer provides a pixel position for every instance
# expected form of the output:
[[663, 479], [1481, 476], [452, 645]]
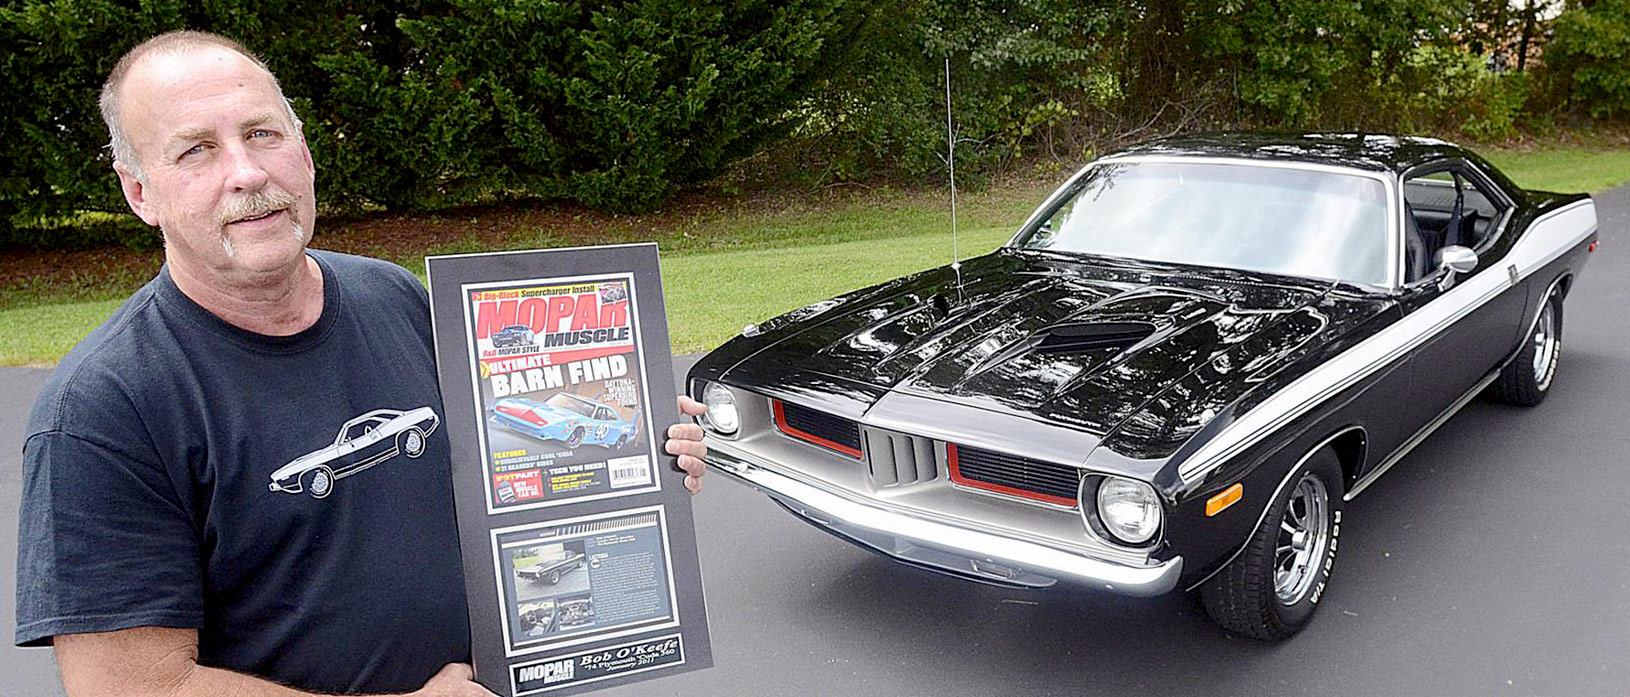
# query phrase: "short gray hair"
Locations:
[[169, 43]]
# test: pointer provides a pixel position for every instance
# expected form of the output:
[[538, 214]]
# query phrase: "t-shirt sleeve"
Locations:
[[104, 543]]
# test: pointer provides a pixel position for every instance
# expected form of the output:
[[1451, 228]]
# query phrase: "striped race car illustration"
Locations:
[[363, 442]]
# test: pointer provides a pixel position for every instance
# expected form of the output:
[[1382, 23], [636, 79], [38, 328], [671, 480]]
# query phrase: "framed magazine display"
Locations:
[[578, 546]]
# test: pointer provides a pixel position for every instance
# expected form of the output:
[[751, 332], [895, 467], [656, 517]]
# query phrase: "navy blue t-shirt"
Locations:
[[288, 497]]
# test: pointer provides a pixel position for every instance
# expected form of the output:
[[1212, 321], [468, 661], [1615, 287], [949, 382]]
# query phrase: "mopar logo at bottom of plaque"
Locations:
[[596, 664]]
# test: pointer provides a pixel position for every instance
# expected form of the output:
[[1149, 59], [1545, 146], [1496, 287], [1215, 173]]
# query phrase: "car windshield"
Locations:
[[1282, 220], [570, 403]]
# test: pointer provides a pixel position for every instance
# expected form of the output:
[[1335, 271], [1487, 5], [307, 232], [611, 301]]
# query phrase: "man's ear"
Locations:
[[306, 148], [136, 195]]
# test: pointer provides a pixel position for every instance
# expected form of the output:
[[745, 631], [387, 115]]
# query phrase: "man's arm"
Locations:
[[163, 662]]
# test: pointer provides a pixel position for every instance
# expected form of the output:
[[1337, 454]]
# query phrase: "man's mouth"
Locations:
[[262, 216]]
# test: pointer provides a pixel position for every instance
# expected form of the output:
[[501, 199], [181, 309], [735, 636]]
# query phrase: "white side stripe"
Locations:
[[1548, 238]]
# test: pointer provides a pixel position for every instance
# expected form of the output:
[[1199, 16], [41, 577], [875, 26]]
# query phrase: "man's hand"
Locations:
[[454, 680], [685, 440]]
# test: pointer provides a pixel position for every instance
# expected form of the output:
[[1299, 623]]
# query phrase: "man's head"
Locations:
[[208, 149]]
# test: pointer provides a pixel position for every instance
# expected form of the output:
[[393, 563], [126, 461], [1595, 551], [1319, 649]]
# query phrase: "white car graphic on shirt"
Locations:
[[363, 442]]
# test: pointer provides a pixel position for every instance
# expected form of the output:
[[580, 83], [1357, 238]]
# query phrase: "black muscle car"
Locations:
[[1172, 377]]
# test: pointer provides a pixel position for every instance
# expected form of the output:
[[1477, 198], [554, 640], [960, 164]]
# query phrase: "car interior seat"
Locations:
[[1417, 248]]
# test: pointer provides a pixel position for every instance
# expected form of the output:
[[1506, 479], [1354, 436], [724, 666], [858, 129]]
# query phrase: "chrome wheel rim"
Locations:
[[1546, 345], [414, 442], [1304, 536], [319, 483]]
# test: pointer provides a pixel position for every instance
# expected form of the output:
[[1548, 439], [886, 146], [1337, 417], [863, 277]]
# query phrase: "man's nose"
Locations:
[[243, 169]]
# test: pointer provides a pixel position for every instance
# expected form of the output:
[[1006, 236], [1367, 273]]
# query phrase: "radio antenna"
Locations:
[[950, 159]]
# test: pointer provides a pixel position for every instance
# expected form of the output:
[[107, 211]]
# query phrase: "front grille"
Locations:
[[1010, 474], [820, 428], [896, 458]]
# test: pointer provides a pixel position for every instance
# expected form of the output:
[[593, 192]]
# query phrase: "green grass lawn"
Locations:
[[1564, 170], [722, 273]]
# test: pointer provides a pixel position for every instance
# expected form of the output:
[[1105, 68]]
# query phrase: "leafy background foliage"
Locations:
[[427, 104]]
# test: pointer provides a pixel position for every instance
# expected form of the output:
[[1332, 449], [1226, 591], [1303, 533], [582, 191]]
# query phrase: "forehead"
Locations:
[[192, 88]]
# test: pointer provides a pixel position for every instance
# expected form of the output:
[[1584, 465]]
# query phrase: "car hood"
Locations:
[[306, 461], [1081, 342]]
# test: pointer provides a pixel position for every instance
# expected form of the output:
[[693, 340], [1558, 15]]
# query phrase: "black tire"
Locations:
[[1243, 597], [576, 439], [318, 482], [1527, 378], [554, 577], [410, 442]]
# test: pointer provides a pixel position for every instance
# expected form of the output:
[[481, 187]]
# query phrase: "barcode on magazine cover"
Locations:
[[629, 471]]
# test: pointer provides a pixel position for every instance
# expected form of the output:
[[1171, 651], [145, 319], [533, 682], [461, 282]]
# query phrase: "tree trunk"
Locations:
[[1156, 54], [1527, 31]]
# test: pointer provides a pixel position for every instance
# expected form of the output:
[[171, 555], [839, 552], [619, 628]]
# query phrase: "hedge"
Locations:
[[415, 105]]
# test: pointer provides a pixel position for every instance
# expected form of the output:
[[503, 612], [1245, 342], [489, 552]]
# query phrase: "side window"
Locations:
[[1448, 207], [356, 430]]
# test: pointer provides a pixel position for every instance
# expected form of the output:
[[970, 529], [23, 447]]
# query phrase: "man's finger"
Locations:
[[685, 431], [692, 484], [692, 466], [695, 449], [691, 407]]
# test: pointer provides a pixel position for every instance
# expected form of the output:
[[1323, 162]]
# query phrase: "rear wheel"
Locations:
[[1527, 378], [410, 442], [1271, 589]]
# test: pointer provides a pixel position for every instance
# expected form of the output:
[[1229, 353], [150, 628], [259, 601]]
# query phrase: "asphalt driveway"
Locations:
[[1493, 560]]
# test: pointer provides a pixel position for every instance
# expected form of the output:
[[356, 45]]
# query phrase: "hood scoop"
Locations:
[[1064, 338], [1065, 341]]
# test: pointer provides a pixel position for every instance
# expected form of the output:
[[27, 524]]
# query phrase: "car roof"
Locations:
[[1365, 151]]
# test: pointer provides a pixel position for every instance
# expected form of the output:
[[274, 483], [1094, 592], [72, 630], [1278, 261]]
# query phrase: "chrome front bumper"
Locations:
[[960, 551]]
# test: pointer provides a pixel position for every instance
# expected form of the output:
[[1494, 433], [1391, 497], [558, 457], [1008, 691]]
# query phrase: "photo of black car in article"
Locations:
[[567, 582], [560, 397]]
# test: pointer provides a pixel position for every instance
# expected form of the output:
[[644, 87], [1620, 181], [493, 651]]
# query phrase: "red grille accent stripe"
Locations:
[[956, 476], [781, 423]]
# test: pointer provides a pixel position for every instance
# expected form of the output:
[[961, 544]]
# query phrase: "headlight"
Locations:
[[1129, 509], [721, 409]]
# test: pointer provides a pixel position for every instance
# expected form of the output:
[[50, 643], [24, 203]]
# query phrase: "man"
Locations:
[[152, 553]]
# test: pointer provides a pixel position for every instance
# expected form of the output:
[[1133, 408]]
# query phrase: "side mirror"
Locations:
[[1454, 259]]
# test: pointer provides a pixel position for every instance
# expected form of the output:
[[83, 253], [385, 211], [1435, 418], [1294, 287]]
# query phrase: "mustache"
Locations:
[[255, 205]]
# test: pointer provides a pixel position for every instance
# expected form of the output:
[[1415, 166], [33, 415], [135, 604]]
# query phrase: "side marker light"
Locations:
[[1593, 246], [1228, 497]]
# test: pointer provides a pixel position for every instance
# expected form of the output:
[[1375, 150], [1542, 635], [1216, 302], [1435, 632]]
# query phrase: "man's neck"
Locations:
[[279, 303]]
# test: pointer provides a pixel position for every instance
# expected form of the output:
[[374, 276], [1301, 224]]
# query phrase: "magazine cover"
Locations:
[[562, 398], [575, 528]]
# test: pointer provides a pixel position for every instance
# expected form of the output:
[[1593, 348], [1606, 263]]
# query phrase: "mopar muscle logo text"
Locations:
[[550, 673], [548, 315]]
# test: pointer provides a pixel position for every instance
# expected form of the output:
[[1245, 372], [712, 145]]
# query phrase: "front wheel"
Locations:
[[1271, 589], [318, 482], [1527, 378], [575, 439]]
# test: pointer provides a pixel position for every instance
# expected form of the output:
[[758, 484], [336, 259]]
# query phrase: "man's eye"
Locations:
[[194, 150], [261, 133]]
